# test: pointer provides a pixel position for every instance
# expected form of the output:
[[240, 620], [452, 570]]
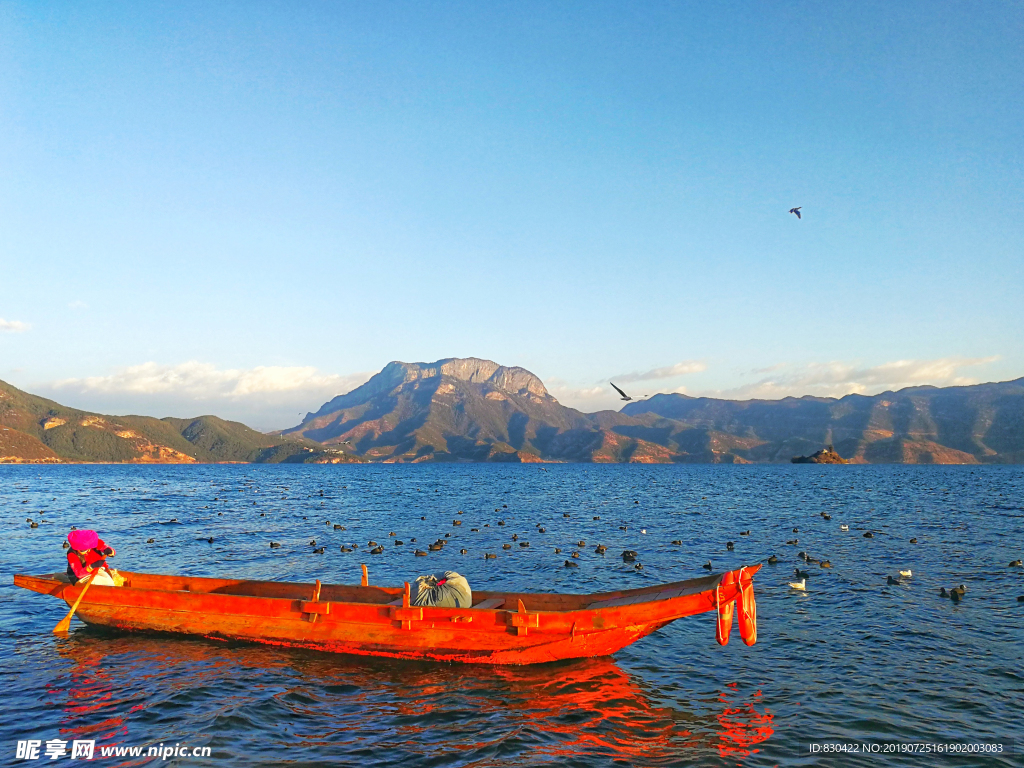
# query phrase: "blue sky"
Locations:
[[246, 208]]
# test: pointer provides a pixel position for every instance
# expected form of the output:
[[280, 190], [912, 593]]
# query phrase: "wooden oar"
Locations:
[[65, 623]]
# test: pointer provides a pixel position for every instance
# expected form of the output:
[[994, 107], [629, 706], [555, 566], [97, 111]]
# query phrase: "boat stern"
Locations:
[[48, 584]]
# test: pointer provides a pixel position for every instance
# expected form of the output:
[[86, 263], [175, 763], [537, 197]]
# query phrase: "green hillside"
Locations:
[[34, 429]]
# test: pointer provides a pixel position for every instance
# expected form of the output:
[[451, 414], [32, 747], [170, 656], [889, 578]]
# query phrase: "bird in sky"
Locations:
[[796, 211], [624, 395]]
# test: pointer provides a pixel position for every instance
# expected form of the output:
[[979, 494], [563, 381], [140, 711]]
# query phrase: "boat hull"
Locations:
[[426, 641], [376, 621]]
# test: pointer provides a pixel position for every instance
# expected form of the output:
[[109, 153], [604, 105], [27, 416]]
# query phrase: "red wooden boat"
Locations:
[[500, 628]]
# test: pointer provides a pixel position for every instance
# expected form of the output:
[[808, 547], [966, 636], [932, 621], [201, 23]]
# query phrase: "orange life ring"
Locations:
[[724, 624], [748, 610]]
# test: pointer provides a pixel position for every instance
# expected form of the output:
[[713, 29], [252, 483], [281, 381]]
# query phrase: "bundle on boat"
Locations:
[[498, 627]]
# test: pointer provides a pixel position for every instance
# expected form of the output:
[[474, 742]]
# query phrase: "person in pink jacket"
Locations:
[[89, 553]]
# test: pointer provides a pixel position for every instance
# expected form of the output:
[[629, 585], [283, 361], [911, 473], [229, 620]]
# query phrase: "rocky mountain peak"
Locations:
[[474, 370]]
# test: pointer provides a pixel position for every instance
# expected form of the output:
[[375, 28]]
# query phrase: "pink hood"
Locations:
[[83, 540]]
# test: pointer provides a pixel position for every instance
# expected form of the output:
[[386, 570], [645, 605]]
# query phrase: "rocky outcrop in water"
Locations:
[[826, 455]]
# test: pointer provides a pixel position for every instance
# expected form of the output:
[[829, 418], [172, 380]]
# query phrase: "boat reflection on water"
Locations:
[[267, 704], [742, 726], [90, 696]]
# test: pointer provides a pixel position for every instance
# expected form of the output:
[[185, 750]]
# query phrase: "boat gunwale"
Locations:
[[684, 588]]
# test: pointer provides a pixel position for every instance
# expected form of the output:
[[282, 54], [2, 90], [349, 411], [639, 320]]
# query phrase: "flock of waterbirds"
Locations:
[[800, 585], [628, 556]]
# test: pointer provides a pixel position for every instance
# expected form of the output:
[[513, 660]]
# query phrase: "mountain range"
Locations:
[[981, 423], [476, 410], [469, 409]]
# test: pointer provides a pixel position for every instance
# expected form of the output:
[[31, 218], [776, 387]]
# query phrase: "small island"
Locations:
[[826, 455]]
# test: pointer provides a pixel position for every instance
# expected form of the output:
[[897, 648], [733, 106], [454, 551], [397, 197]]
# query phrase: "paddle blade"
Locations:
[[65, 624]]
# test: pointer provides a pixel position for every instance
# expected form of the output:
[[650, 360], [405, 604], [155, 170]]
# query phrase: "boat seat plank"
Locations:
[[619, 601], [484, 605], [669, 593], [490, 604]]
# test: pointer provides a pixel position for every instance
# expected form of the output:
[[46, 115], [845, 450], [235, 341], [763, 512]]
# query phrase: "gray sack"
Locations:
[[454, 593]]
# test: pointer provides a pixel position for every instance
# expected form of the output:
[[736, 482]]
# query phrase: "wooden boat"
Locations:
[[500, 628]]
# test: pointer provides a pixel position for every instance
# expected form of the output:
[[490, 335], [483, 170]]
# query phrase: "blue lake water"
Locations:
[[851, 660]]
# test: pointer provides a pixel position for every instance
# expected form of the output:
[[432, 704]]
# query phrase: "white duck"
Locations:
[[801, 585], [844, 527], [907, 573]]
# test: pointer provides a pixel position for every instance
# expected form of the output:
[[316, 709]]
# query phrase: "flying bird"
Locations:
[[624, 395], [796, 211]]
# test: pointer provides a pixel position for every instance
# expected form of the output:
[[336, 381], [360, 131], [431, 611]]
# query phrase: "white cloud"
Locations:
[[591, 399], [206, 381], [565, 393], [78, 305], [601, 396], [264, 397], [835, 379], [13, 326], [668, 372]]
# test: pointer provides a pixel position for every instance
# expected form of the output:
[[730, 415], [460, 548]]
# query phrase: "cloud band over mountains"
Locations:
[[603, 396], [828, 379], [265, 397], [206, 381], [836, 378], [275, 397], [668, 372]]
